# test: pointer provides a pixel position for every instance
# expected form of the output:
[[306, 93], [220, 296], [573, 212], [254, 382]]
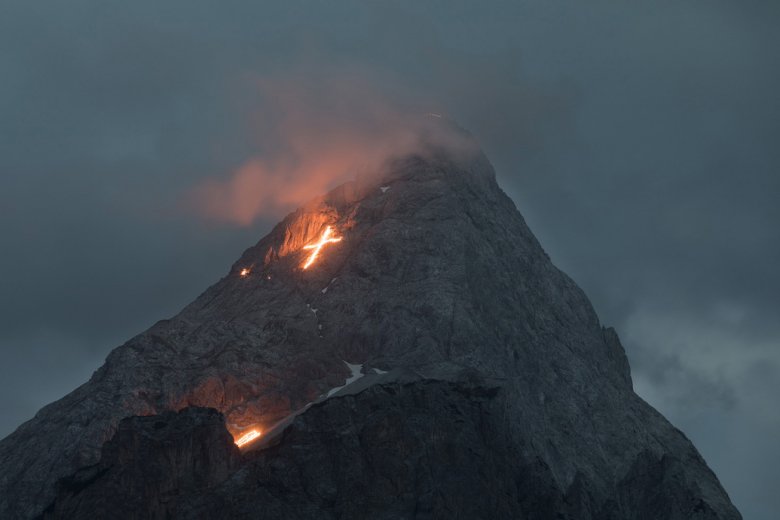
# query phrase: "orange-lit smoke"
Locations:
[[314, 135]]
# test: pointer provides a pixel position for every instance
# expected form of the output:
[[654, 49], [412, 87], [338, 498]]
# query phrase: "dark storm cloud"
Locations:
[[640, 141]]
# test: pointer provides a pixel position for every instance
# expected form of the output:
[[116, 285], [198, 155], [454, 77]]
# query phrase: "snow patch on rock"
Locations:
[[357, 373]]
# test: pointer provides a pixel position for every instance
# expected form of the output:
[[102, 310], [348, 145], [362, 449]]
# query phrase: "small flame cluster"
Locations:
[[248, 437]]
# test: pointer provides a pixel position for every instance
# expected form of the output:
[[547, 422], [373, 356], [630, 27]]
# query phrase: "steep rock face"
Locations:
[[434, 448], [404, 447], [148, 463], [435, 267]]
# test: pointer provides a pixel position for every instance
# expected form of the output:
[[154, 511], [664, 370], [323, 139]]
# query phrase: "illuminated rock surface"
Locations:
[[504, 398]]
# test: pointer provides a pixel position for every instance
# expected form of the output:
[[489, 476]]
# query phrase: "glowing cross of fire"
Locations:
[[248, 437], [317, 246]]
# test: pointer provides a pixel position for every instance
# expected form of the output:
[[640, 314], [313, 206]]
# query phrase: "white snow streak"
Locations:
[[356, 374]]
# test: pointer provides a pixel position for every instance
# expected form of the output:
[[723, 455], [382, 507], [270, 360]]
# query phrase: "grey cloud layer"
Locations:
[[639, 140]]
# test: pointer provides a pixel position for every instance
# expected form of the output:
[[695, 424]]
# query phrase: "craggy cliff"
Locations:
[[477, 382]]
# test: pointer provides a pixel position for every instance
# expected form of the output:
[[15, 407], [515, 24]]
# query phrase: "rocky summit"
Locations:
[[401, 347]]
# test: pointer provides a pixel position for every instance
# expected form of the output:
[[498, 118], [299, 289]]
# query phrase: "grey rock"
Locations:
[[436, 276], [147, 465]]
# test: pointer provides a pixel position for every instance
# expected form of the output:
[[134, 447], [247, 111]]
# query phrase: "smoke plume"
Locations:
[[316, 134]]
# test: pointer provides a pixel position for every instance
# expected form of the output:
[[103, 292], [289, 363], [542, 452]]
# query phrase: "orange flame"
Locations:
[[248, 437], [245, 272], [317, 246]]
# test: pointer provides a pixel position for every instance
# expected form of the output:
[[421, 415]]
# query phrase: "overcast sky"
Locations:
[[639, 140]]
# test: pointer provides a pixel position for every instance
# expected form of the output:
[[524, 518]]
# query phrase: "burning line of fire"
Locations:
[[317, 246], [248, 437]]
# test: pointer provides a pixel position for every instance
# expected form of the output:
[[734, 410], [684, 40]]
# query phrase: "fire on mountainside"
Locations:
[[316, 247], [248, 437]]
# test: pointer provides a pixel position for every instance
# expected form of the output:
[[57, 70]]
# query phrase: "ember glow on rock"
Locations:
[[317, 246], [248, 437], [245, 272]]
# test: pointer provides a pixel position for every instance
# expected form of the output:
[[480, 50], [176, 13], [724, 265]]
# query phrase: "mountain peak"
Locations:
[[428, 280]]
